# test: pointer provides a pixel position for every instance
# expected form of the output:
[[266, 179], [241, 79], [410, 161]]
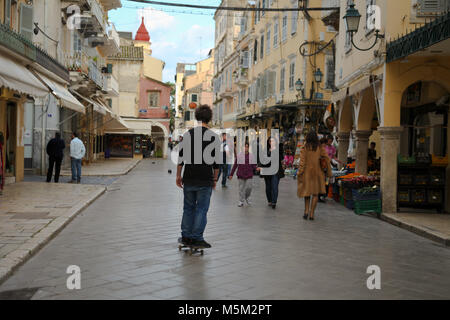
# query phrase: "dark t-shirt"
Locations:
[[201, 174], [55, 148]]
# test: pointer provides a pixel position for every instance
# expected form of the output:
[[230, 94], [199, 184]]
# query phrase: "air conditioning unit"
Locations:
[[279, 98]]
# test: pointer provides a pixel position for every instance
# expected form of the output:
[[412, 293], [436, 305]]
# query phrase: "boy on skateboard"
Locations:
[[199, 177]]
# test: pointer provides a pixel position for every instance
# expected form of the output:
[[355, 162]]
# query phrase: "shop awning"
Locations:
[[97, 107], [16, 77], [140, 126], [67, 99]]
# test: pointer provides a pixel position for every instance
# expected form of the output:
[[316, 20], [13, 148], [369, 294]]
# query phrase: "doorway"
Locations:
[[11, 139]]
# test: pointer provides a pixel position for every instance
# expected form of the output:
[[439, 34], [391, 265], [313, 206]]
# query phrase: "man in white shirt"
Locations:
[[77, 151]]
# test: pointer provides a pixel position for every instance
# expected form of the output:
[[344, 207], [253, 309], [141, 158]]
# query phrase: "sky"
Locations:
[[175, 36]]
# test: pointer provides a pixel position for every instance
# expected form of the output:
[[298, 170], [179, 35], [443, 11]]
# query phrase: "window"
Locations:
[[370, 16], [271, 83], [26, 21], [244, 59], [294, 21], [153, 99], [194, 97], [432, 7], [275, 34], [264, 6], [76, 41], [258, 12], [282, 77], [261, 51], [291, 75], [255, 52], [7, 20], [284, 28], [268, 41], [329, 72]]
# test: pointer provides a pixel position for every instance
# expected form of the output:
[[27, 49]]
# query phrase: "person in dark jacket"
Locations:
[[55, 151], [272, 180], [245, 165]]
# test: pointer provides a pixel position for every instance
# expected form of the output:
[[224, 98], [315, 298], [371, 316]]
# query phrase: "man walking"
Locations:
[[199, 177], [55, 151], [224, 168], [77, 151]]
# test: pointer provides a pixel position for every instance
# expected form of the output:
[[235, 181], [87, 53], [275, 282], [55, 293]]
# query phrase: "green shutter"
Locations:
[[430, 7], [8, 13], [26, 21]]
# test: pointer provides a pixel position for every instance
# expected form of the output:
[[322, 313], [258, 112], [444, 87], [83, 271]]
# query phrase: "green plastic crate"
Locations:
[[342, 201], [366, 206]]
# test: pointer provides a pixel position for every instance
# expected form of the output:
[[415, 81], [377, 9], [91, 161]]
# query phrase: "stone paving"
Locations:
[[31, 213], [125, 245], [107, 167]]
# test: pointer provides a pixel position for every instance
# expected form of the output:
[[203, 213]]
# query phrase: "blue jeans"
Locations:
[[196, 205], [76, 169], [272, 183], [224, 169]]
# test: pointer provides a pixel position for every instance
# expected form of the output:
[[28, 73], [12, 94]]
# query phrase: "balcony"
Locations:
[[112, 44], [227, 94], [96, 75], [331, 17], [242, 78], [112, 86], [24, 47], [93, 21]]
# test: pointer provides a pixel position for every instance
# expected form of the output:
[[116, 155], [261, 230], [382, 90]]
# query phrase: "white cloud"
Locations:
[[155, 20]]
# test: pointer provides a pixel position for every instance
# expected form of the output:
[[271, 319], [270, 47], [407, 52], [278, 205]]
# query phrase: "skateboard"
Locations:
[[191, 249]]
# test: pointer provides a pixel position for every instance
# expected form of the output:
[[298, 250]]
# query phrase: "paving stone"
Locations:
[[125, 244]]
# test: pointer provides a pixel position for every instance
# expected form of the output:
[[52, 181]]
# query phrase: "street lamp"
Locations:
[[299, 87], [248, 103], [352, 19], [318, 76]]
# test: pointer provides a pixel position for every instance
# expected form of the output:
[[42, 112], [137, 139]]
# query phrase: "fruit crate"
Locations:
[[439, 161], [422, 179], [406, 179], [404, 195], [349, 204], [348, 193], [406, 160], [434, 196], [437, 178], [375, 195], [367, 206], [419, 196]]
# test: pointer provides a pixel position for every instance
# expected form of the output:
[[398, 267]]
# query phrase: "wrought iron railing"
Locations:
[[96, 75], [21, 45], [431, 33]]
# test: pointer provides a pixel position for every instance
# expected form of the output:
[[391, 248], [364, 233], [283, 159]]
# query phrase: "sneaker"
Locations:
[[274, 205], [269, 204], [72, 181], [185, 241], [201, 244], [240, 204], [224, 186], [248, 202]]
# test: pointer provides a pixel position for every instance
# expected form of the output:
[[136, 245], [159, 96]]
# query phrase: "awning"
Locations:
[[97, 107], [140, 126], [16, 77], [67, 99]]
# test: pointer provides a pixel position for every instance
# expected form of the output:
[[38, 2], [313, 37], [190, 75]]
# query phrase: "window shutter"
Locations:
[[282, 77], [427, 7], [258, 88], [265, 86], [330, 73], [26, 21], [245, 59], [8, 13], [270, 84], [294, 22], [261, 50]]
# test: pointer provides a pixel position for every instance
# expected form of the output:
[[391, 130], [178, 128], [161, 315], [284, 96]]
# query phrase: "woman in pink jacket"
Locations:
[[245, 165]]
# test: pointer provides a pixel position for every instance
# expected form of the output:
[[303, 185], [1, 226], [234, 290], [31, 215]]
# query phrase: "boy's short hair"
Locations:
[[203, 113]]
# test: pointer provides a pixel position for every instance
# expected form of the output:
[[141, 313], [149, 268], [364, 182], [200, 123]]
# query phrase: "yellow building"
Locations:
[[396, 93], [196, 87], [255, 81]]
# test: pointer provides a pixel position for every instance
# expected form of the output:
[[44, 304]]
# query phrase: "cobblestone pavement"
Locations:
[[96, 180], [31, 213], [125, 245]]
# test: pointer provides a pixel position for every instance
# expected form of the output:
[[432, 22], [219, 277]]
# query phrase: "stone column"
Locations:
[[343, 143], [390, 146], [165, 147], [362, 147]]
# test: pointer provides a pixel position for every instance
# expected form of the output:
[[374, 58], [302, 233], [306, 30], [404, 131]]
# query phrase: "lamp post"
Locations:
[[299, 87], [352, 18]]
